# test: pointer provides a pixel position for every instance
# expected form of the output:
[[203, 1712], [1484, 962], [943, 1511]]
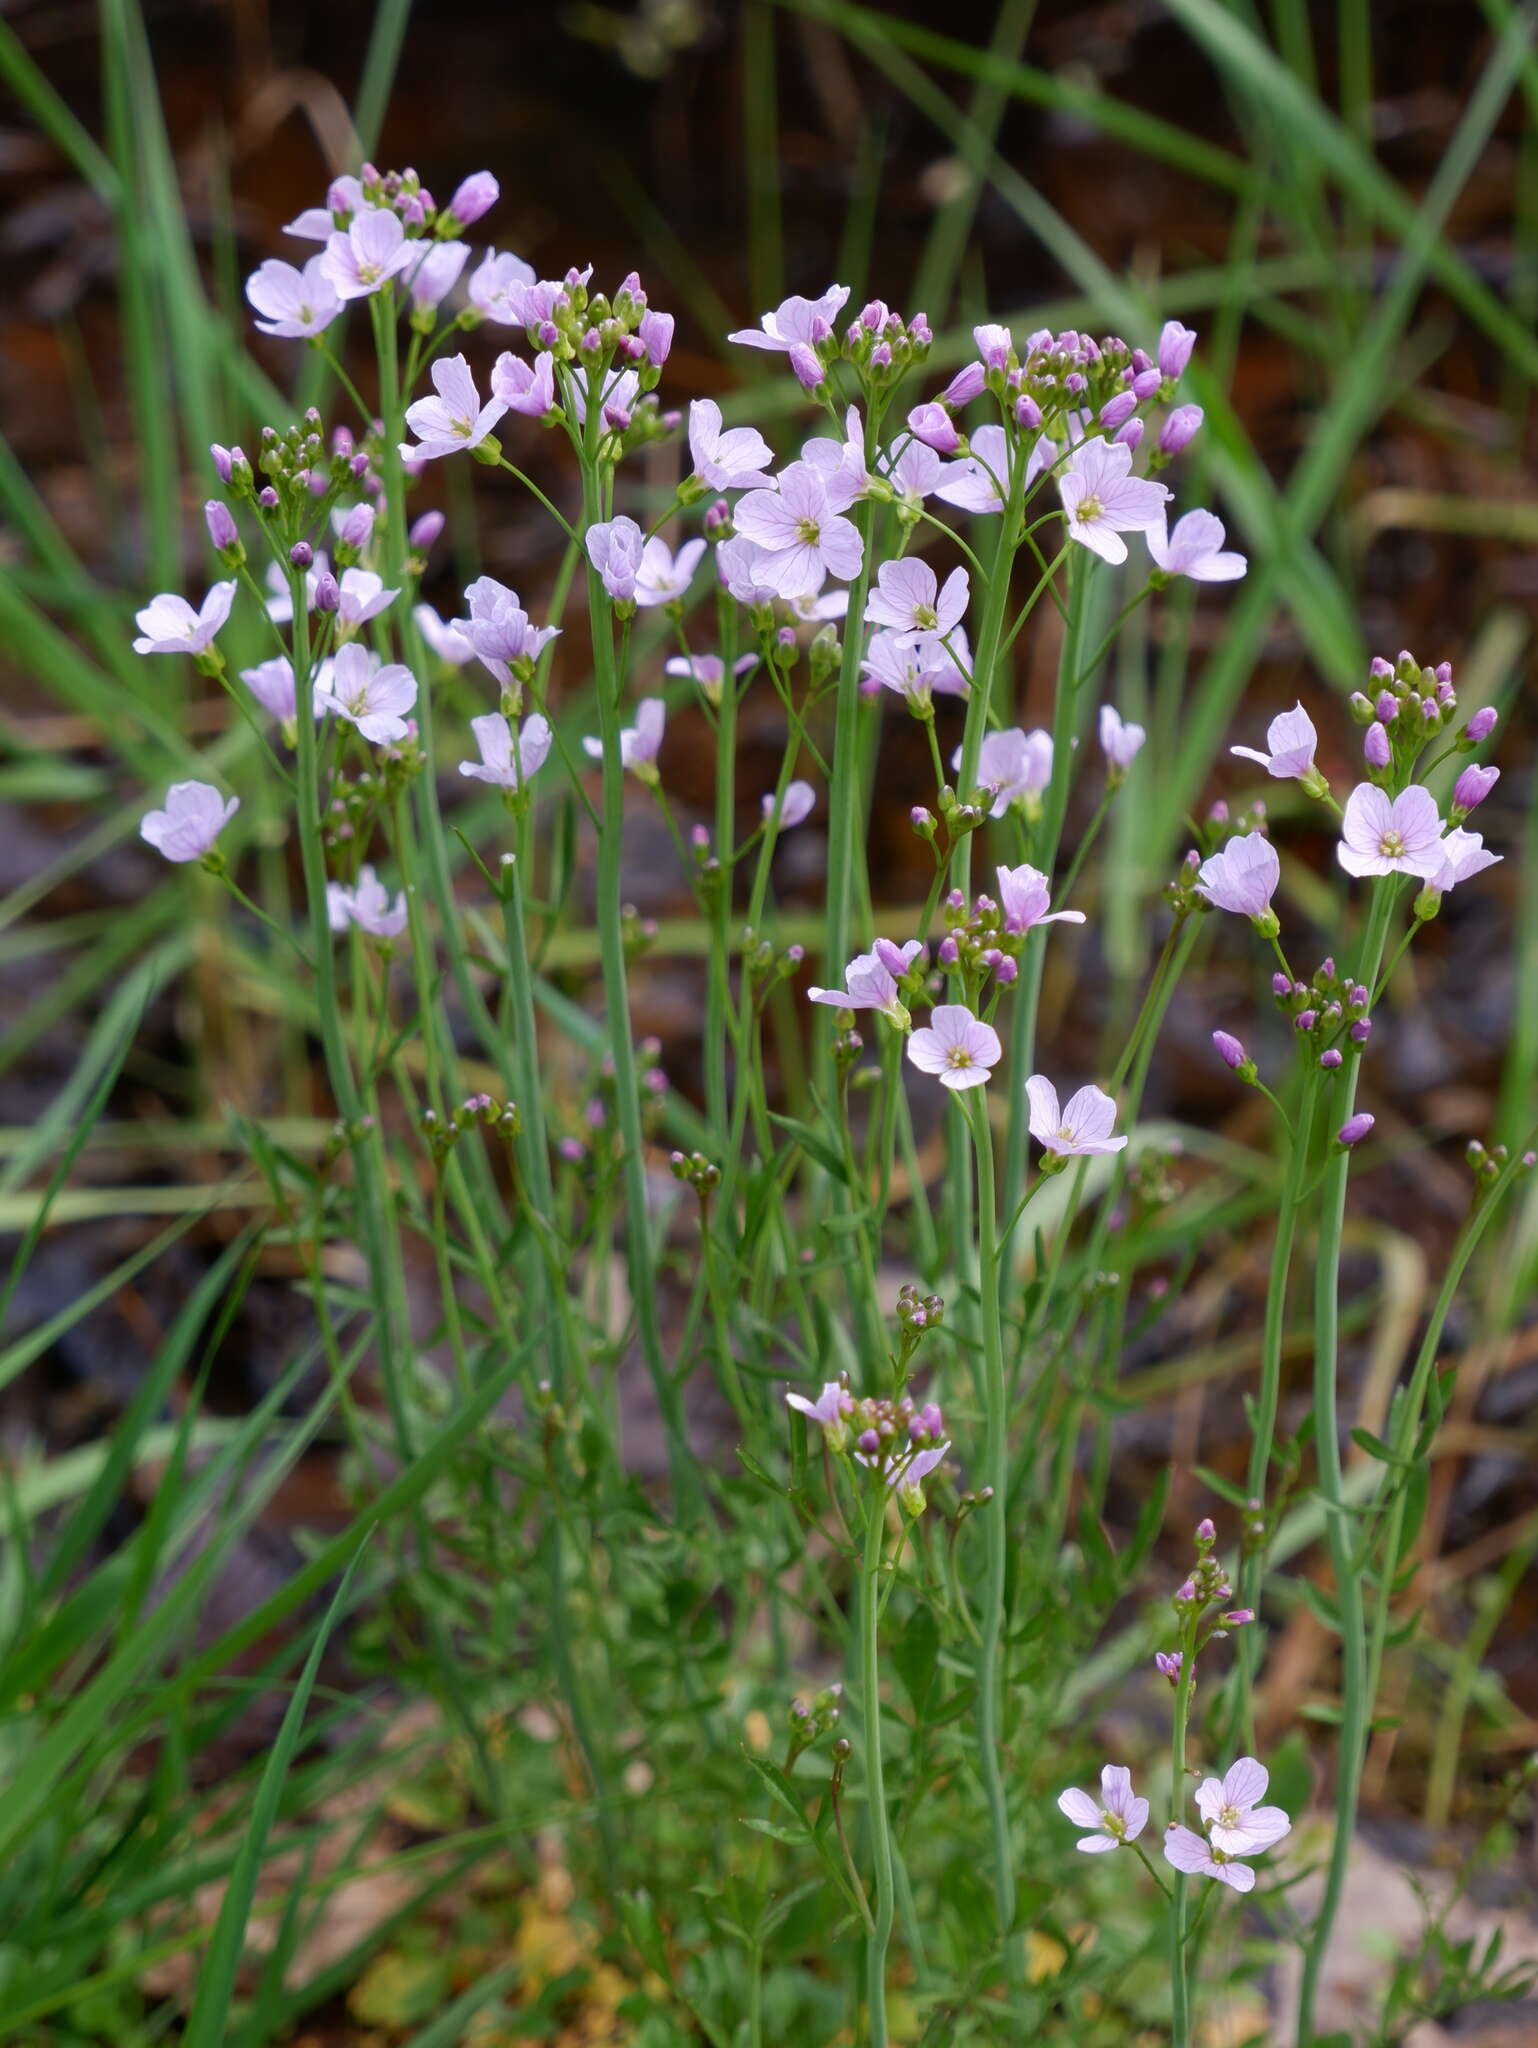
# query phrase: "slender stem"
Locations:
[[1355, 1707], [990, 1676], [880, 1935], [1180, 1989]]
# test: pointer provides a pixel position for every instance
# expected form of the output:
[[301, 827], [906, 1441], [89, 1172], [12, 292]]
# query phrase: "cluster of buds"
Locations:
[[978, 941], [1488, 1162], [695, 1171], [1404, 706], [916, 1315], [561, 316], [357, 800], [1152, 1183], [895, 1440], [810, 1718], [1224, 822], [299, 467], [883, 346], [444, 1133], [1324, 1010], [343, 1136], [767, 964], [1206, 1586], [637, 933]]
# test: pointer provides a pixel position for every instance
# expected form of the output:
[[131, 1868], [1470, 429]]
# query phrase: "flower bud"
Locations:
[[966, 385], [1481, 725], [357, 528], [1229, 1050], [223, 533], [1181, 428], [1355, 1128], [1330, 1059], [1175, 346], [808, 370], [1375, 747], [656, 336], [328, 593], [425, 531], [933, 425], [474, 196], [1473, 786], [301, 554], [1131, 435]]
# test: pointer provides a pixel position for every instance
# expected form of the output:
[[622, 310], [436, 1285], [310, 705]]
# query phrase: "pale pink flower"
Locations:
[[362, 596], [1290, 744], [831, 1408], [840, 464], [1193, 1854], [1013, 764], [1384, 836], [455, 419], [796, 806], [908, 600], [1084, 1126], [977, 482], [614, 547], [1118, 742], [870, 981], [500, 762], [1103, 501], [903, 1479], [194, 816], [521, 389], [447, 641], [500, 631], [915, 474], [800, 539], [1236, 1821], [917, 668], [344, 197], [1462, 854], [735, 460], [362, 258], [1118, 1817], [169, 625], [436, 275], [794, 321], [956, 1046], [814, 606], [497, 286], [708, 670], [271, 683], [292, 302], [1024, 894], [368, 906], [1194, 549], [663, 577], [1242, 876], [740, 566], [639, 744], [374, 698]]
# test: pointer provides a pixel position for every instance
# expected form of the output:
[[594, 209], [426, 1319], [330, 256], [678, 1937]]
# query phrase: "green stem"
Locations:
[[1180, 1989], [880, 1935]]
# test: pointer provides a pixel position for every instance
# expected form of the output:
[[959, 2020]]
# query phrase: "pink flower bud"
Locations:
[[425, 531], [301, 554], [1375, 747], [1330, 1059], [1206, 1530], [1131, 435], [1481, 725], [965, 385], [656, 337], [808, 370], [1175, 346], [222, 532], [1027, 413], [932, 425], [1180, 429], [328, 593], [1473, 786], [1228, 1049], [1117, 409], [1355, 1128]]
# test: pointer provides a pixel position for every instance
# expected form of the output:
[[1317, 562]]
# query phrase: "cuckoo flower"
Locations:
[[1391, 836], [447, 641], [497, 286], [800, 539], [362, 258], [916, 668], [368, 906], [1461, 854], [373, 698], [1290, 743], [1013, 764], [956, 1046], [639, 744], [521, 389], [194, 816], [663, 577], [1194, 549], [1175, 346], [978, 481], [455, 419], [271, 683], [618, 391], [1242, 876], [361, 596], [500, 632], [831, 1409], [736, 460], [1118, 1817], [1103, 501], [796, 806], [1024, 894], [1119, 742], [434, 276], [908, 600], [169, 625], [870, 981], [1236, 1821], [1194, 1856], [614, 548], [500, 762], [293, 303], [1082, 1127], [795, 321]]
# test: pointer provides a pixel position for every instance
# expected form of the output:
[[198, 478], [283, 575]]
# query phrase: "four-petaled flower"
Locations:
[[361, 596], [530, 391], [1119, 742], [363, 257], [1380, 835], [870, 981], [956, 1046], [614, 547], [292, 302], [799, 536], [832, 1405], [1242, 876], [795, 322], [500, 762], [1236, 1821], [1103, 501], [1081, 1128], [663, 577], [194, 816], [169, 625], [1290, 744], [374, 698], [368, 906], [499, 630], [1462, 854], [917, 667], [1194, 549], [977, 482], [796, 805], [455, 419], [908, 600], [1013, 764], [639, 744], [1118, 1817], [736, 460], [1024, 894], [497, 285]]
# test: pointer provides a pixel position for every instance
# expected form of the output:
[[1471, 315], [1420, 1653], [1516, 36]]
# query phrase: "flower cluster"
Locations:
[[897, 1442]]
